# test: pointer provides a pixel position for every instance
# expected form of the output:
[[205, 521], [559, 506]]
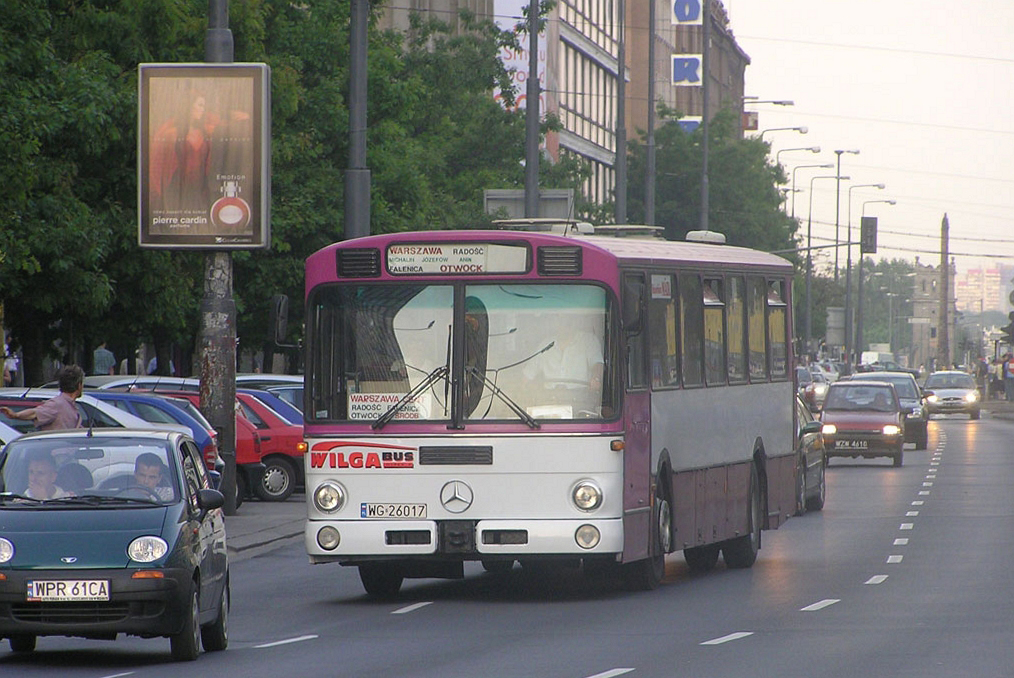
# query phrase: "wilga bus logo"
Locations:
[[360, 455]]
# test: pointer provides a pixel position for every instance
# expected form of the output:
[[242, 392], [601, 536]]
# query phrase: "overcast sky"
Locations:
[[922, 89]]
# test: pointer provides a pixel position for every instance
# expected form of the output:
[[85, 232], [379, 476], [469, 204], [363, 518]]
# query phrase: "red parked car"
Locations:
[[280, 445]]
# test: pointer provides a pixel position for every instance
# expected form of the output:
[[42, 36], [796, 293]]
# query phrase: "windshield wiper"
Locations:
[[13, 496], [439, 373], [498, 392], [97, 499]]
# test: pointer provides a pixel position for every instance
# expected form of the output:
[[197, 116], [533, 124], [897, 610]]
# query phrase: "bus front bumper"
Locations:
[[460, 539]]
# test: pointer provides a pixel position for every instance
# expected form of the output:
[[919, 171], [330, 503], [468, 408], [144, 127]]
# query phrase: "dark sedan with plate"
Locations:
[[863, 419], [111, 532]]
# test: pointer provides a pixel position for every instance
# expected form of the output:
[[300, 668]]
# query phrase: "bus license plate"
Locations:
[[392, 511], [67, 590], [852, 444]]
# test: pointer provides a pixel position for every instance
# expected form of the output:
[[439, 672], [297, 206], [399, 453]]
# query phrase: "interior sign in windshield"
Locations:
[[456, 259]]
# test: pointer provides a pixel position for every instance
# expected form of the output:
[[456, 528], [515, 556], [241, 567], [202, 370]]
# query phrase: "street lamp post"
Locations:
[[801, 130], [811, 149], [848, 276], [826, 165], [859, 290], [837, 210], [809, 256]]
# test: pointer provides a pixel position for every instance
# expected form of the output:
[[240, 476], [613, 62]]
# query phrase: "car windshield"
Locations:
[[957, 380], [57, 470], [856, 397], [904, 387]]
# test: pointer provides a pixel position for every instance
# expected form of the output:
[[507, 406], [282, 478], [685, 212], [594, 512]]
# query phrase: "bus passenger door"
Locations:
[[637, 508]]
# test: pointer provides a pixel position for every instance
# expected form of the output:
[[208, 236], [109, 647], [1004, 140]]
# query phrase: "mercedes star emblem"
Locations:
[[456, 496]]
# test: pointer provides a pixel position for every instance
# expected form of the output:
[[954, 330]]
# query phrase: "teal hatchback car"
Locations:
[[108, 532]]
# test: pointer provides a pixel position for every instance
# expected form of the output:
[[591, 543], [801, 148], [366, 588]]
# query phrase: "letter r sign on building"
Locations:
[[686, 70]]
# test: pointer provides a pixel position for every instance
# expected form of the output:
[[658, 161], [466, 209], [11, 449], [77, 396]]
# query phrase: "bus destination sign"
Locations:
[[470, 258]]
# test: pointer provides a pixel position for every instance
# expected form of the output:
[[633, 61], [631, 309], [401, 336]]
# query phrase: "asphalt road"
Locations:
[[906, 572]]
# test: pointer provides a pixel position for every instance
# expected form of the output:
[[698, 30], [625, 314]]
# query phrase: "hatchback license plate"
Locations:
[[392, 511], [851, 444], [67, 590]]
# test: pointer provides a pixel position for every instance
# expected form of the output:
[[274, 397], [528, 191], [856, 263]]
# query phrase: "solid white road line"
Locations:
[[412, 608], [726, 639], [287, 641]]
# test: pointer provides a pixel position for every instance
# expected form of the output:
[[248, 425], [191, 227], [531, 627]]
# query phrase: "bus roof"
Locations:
[[644, 252]]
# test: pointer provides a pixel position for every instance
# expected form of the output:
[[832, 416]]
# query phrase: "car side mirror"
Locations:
[[811, 427], [210, 499]]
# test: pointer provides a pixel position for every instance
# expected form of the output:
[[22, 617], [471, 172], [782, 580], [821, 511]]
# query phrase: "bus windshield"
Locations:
[[392, 353]]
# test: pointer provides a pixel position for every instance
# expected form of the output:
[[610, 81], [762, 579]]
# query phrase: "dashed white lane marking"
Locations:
[[894, 560], [906, 526], [924, 493], [927, 484], [911, 514], [726, 639], [901, 541], [611, 673], [412, 608], [120, 675], [918, 502], [878, 579], [820, 605], [287, 641]]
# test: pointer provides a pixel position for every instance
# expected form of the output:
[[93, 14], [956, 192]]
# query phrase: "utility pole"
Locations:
[[532, 115], [218, 308], [649, 180], [943, 345], [357, 176], [705, 91], [621, 119]]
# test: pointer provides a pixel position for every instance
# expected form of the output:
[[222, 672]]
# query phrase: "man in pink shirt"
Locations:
[[59, 412]]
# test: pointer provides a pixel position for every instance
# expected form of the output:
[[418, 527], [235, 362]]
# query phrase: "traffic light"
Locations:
[[868, 235], [1008, 331]]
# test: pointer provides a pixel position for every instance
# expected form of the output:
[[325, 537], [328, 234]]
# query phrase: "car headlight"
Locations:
[[933, 398], [829, 429], [329, 496], [6, 550], [147, 549], [892, 430], [586, 495], [971, 396]]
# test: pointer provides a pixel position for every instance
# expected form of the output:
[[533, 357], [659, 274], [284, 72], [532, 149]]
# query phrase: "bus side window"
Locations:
[[633, 325], [756, 292], [777, 327], [691, 329], [662, 345], [735, 311]]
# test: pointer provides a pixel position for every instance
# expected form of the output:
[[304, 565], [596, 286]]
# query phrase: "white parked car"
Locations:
[[94, 412]]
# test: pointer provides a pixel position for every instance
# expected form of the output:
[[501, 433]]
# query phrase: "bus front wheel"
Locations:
[[647, 574], [381, 580]]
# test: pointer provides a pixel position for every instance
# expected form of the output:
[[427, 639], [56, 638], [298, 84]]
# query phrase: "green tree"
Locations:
[[744, 202]]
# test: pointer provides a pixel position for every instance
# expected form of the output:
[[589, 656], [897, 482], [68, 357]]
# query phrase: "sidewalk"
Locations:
[[999, 409], [260, 526]]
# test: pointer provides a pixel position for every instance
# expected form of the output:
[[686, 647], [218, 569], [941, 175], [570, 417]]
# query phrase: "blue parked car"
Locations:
[[160, 410]]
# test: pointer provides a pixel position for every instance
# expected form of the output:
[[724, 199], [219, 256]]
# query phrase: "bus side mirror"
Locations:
[[278, 318], [633, 311]]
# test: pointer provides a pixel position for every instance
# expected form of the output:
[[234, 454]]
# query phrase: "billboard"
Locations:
[[204, 150]]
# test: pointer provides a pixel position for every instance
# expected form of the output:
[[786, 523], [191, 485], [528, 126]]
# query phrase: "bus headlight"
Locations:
[[586, 495], [328, 538], [329, 496], [587, 536]]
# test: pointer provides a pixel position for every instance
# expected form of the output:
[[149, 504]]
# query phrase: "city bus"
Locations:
[[541, 398]]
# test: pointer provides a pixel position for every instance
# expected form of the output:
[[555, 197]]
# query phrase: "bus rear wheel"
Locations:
[[381, 580], [741, 552]]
